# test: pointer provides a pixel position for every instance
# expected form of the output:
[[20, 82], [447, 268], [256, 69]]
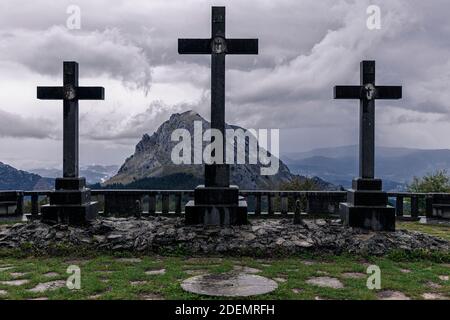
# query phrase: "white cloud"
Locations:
[[17, 126]]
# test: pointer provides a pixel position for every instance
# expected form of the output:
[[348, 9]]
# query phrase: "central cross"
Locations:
[[70, 93], [367, 93], [218, 46]]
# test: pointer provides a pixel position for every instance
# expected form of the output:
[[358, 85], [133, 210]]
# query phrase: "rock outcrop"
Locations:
[[264, 237]]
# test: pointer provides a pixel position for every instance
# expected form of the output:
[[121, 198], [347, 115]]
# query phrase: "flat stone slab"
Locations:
[[433, 285], [325, 282], [246, 269], [229, 285], [444, 278], [17, 274], [138, 283], [52, 285], [405, 271], [2, 269], [15, 283], [433, 296], [155, 272], [3, 292], [392, 295], [196, 272], [151, 297]]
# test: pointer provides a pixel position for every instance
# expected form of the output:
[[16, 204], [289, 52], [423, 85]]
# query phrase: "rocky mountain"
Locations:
[[13, 179], [152, 160], [340, 164]]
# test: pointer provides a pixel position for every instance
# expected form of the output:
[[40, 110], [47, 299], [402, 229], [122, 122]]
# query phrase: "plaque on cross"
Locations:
[[218, 46], [367, 92], [70, 93]]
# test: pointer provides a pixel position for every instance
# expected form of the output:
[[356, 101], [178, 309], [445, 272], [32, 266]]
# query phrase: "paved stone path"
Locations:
[[52, 285], [392, 295], [325, 282], [155, 272]]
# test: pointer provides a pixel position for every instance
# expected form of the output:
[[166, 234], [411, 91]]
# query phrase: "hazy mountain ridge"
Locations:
[[397, 166], [93, 173], [13, 179]]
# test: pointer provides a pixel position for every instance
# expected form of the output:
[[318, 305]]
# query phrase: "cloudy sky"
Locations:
[[306, 47]]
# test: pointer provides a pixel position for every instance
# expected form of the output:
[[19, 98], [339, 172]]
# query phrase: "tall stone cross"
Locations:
[[70, 93], [367, 93], [218, 46]]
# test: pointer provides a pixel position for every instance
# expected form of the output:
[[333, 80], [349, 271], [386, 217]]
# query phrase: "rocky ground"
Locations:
[[260, 237]]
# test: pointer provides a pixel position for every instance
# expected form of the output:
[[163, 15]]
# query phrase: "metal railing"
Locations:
[[264, 203]]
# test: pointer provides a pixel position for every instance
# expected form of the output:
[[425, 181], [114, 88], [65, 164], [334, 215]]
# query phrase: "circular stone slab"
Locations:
[[229, 285]]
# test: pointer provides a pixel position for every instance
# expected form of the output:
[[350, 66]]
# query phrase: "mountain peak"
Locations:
[[187, 115], [152, 158]]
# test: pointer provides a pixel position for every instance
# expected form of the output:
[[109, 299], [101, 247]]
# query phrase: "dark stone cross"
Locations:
[[71, 201], [367, 205], [218, 46], [367, 93], [70, 93], [216, 202]]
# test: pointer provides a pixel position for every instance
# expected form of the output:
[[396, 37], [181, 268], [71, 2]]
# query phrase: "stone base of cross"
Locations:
[[216, 206], [367, 206], [70, 203]]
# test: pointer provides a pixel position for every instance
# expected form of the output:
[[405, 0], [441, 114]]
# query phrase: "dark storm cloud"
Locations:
[[106, 52], [306, 47]]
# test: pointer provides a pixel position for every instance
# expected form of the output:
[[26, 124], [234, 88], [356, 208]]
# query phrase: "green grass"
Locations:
[[105, 276], [434, 230], [111, 278]]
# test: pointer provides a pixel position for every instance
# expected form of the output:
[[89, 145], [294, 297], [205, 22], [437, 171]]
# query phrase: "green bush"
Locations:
[[432, 182]]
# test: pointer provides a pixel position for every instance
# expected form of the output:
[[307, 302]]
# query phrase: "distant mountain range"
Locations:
[[396, 166], [93, 173], [44, 179], [151, 164], [13, 179], [151, 167]]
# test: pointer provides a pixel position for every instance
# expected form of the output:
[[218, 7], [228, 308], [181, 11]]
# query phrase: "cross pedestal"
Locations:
[[367, 204], [216, 202], [70, 202]]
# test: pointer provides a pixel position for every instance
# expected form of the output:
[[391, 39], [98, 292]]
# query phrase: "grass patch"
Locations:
[[108, 277], [439, 231]]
